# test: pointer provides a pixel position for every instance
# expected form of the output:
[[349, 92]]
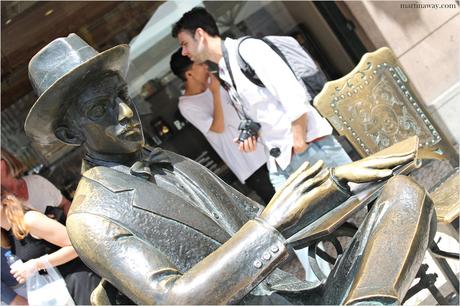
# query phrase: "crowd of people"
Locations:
[[291, 132]]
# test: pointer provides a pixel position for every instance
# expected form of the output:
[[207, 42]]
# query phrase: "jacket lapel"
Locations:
[[150, 197]]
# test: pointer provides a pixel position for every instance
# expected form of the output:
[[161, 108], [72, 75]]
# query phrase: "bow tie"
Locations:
[[154, 161]]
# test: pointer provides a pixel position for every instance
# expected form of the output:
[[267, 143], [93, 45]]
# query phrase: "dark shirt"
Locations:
[[8, 281]]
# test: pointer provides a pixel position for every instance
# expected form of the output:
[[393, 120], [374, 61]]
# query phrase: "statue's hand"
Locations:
[[289, 203], [372, 168]]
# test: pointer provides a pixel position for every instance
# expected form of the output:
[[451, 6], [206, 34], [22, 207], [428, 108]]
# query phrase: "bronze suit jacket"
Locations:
[[181, 237]]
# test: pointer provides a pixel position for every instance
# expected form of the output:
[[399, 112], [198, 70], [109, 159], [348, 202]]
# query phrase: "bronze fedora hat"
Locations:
[[53, 72]]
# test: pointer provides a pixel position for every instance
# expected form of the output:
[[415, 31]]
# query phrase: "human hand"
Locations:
[[299, 147], [248, 145], [214, 84], [289, 204], [22, 271]]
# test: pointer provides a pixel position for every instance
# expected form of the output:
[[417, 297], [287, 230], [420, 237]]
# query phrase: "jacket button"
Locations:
[[266, 256], [258, 264]]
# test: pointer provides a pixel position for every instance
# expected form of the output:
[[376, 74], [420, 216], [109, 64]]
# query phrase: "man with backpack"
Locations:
[[276, 111]]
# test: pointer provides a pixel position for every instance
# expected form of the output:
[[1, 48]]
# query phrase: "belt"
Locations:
[[317, 139], [276, 152]]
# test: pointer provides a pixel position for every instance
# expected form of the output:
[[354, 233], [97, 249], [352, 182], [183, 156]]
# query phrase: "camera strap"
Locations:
[[232, 90]]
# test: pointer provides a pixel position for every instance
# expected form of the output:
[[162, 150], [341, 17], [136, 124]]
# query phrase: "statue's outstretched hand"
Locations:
[[305, 186], [379, 165], [289, 203], [372, 168]]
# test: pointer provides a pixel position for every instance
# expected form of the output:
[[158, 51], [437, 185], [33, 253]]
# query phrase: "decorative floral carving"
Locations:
[[375, 106]]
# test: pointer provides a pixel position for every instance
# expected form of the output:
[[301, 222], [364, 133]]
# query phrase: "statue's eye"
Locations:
[[97, 111]]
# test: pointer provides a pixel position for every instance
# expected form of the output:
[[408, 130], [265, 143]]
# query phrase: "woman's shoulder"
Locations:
[[31, 217]]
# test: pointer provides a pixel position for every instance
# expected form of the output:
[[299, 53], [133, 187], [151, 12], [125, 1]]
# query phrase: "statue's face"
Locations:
[[107, 118]]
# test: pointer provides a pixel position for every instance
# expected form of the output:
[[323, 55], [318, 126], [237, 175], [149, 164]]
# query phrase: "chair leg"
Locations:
[[444, 267], [426, 281]]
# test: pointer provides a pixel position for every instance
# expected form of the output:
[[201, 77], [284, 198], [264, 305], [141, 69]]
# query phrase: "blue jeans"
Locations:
[[327, 149]]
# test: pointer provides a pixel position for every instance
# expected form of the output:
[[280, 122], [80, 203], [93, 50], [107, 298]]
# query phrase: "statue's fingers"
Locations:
[[319, 190], [315, 181], [309, 173], [294, 177], [290, 179], [363, 175], [387, 162]]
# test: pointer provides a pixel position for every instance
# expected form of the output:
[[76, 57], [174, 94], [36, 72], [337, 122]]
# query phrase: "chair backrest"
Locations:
[[375, 106], [446, 197]]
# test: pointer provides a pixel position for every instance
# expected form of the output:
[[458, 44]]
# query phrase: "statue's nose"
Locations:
[[124, 111]]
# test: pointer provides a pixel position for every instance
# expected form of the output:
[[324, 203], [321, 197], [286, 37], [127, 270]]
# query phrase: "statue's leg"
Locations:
[[106, 294], [388, 249], [100, 296]]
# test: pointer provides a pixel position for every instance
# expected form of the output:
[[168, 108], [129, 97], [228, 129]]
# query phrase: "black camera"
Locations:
[[248, 129]]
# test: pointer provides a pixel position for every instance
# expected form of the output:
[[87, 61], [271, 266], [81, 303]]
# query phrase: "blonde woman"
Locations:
[[34, 236], [34, 190]]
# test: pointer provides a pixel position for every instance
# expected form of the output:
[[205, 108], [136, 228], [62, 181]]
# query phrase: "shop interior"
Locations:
[[146, 27]]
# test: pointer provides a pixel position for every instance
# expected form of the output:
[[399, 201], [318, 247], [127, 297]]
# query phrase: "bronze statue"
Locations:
[[162, 229]]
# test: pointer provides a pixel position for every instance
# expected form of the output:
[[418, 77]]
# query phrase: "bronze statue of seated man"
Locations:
[[162, 229]]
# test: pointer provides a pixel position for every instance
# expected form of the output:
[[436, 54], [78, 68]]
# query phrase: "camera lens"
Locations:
[[243, 136]]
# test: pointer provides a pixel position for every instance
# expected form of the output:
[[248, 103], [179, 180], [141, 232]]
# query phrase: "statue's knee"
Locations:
[[403, 188], [402, 191], [399, 182]]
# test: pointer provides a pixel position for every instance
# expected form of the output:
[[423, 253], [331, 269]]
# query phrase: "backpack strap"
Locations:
[[247, 70], [234, 97]]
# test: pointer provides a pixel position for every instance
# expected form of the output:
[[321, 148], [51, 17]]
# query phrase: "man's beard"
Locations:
[[200, 54]]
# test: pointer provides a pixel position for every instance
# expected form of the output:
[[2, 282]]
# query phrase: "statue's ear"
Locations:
[[68, 135]]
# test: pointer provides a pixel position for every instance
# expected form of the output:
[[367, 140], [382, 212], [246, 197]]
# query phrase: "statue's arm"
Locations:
[[146, 275]]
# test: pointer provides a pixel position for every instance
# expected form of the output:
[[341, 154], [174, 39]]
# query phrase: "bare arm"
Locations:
[[218, 122], [42, 227], [299, 132], [54, 232]]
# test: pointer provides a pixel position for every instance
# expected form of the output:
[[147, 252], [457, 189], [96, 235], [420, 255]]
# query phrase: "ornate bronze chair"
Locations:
[[375, 106]]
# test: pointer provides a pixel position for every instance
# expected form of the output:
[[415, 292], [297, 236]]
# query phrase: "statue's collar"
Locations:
[[149, 161]]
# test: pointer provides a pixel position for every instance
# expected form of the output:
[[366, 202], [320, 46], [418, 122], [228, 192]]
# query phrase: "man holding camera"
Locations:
[[207, 106], [278, 114]]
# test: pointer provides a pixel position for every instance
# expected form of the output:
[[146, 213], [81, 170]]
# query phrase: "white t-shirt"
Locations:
[[199, 109], [42, 193], [275, 106]]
